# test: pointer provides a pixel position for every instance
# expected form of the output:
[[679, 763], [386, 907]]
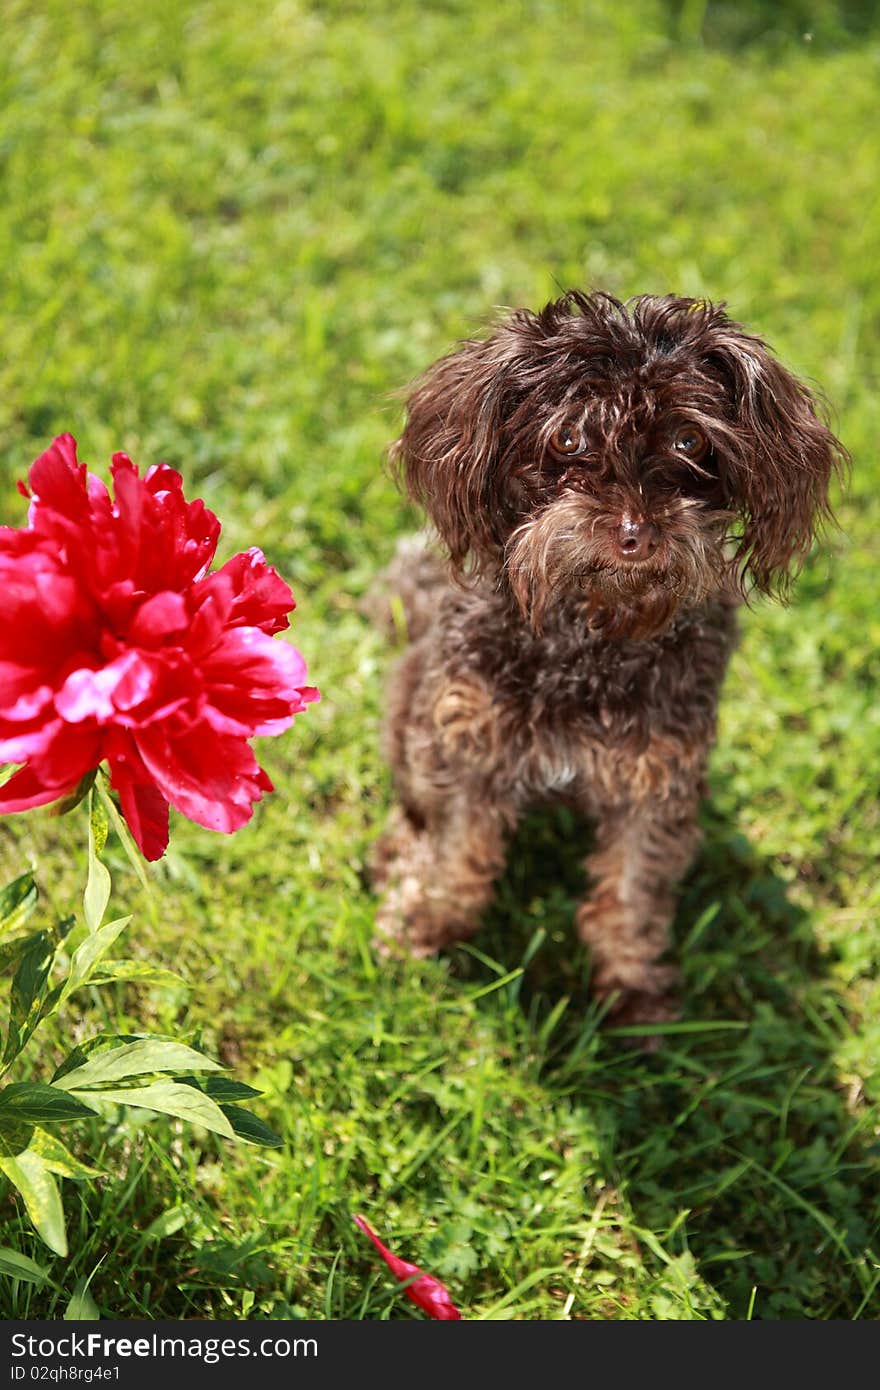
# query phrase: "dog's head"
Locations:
[[642, 455]]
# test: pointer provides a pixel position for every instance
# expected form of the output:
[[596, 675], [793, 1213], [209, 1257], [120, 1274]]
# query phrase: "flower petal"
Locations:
[[56, 765], [158, 618], [168, 542], [142, 804], [23, 696], [101, 694], [25, 790], [254, 683], [211, 778], [57, 482], [424, 1290], [256, 595], [117, 644]]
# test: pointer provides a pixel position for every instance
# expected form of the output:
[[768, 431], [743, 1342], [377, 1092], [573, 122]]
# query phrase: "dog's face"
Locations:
[[641, 456]]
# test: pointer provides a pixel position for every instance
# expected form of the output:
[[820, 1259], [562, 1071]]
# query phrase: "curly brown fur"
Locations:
[[608, 481]]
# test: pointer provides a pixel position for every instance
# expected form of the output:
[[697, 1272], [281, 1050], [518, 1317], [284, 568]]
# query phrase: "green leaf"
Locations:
[[221, 1088], [15, 1137], [171, 1098], [248, 1126], [34, 1102], [97, 894], [12, 951], [17, 901], [636, 1030], [16, 1266], [42, 1199], [50, 1003], [98, 826], [139, 1058], [58, 1158], [101, 1042], [170, 1221], [28, 990], [82, 1307], [136, 971], [90, 952]]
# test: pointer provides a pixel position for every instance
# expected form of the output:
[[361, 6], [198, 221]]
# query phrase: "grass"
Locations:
[[228, 236]]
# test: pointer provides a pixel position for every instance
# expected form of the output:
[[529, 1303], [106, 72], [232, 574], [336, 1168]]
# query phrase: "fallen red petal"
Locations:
[[427, 1292]]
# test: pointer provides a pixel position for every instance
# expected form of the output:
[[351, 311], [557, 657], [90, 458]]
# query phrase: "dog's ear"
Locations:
[[448, 456], [776, 475]]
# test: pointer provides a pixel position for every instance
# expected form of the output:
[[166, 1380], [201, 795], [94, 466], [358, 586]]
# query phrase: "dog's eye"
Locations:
[[567, 439], [690, 442]]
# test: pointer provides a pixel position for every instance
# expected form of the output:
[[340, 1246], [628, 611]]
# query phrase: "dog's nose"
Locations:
[[636, 539]]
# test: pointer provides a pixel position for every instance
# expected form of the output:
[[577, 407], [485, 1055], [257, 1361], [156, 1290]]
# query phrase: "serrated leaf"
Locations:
[[82, 1307], [27, 994], [89, 952], [16, 1266], [136, 972], [36, 1103], [97, 894], [41, 1197], [140, 1058], [58, 1158], [17, 901], [170, 1098], [248, 1126]]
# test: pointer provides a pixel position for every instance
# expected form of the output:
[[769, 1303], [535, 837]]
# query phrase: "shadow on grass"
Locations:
[[733, 25], [739, 1141]]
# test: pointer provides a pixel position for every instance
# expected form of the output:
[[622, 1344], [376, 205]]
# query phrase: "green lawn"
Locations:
[[228, 235]]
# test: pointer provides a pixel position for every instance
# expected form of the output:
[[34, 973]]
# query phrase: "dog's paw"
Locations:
[[405, 926], [631, 1008]]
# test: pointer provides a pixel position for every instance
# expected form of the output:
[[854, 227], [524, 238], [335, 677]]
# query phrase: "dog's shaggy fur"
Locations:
[[608, 481]]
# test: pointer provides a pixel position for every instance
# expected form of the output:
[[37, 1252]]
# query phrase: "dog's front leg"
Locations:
[[641, 853], [437, 877], [443, 847]]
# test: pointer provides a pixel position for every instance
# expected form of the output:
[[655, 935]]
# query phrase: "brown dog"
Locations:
[[608, 480]]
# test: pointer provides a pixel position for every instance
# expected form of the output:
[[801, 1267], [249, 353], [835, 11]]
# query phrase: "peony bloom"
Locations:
[[118, 645], [430, 1295]]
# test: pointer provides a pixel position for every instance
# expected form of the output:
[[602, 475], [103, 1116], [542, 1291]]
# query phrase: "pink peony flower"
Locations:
[[426, 1291], [117, 644]]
